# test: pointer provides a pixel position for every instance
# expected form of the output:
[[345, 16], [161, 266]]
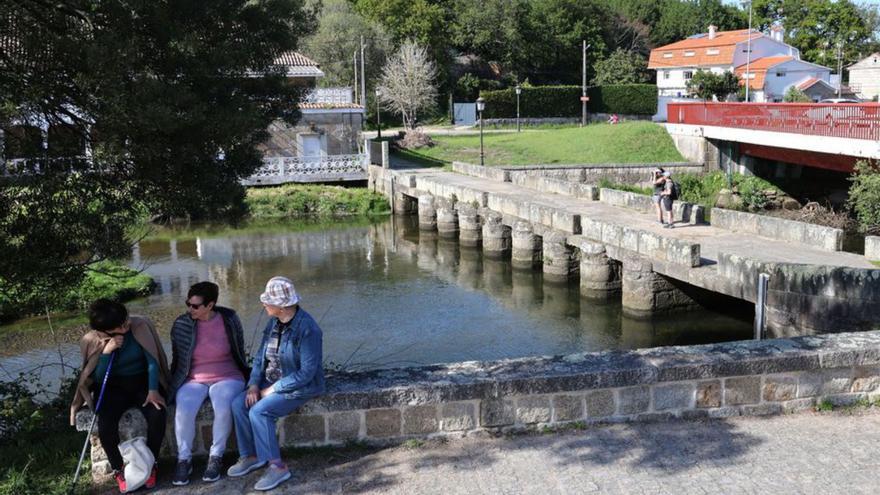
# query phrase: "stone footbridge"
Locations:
[[611, 240]]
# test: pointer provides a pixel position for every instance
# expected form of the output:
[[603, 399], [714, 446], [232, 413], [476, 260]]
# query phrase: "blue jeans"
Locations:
[[255, 427]]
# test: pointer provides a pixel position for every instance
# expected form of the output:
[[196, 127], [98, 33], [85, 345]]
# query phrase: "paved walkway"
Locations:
[[809, 453]]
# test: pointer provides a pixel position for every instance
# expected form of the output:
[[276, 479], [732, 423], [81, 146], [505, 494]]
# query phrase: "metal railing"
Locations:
[[845, 120], [326, 168]]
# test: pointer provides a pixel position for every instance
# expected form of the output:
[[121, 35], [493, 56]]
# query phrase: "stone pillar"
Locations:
[[646, 293], [386, 161], [470, 227], [600, 275], [447, 218], [496, 236], [404, 204], [427, 213], [560, 261], [526, 246]]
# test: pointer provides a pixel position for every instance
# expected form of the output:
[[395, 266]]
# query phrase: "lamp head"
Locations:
[[481, 104]]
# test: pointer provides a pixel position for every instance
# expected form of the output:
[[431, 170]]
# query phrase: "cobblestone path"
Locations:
[[810, 453]]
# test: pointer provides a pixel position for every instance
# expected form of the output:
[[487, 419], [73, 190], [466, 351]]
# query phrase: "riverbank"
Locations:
[[300, 201], [629, 142], [107, 279]]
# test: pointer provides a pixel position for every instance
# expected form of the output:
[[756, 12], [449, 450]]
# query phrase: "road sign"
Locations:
[[585, 98]]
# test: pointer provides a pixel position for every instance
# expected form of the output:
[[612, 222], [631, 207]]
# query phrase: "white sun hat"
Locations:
[[279, 292]]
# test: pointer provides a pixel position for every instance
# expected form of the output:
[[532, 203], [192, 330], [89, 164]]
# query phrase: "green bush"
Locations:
[[607, 183], [294, 200], [864, 196], [564, 101]]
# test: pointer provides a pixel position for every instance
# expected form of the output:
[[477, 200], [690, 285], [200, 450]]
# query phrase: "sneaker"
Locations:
[[151, 481], [212, 470], [274, 476], [671, 226], [244, 466], [666, 225], [120, 481], [182, 472]]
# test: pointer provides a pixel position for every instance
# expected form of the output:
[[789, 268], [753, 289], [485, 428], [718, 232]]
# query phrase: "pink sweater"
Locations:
[[212, 360]]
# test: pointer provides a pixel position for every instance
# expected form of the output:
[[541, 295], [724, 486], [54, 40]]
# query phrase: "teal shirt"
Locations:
[[131, 360]]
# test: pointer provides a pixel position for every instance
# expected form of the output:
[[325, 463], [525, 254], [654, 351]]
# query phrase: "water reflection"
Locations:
[[388, 295]]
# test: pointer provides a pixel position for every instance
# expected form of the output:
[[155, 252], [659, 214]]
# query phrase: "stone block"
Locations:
[[344, 426], [534, 409], [568, 407], [872, 248], [418, 420], [798, 405], [709, 394], [457, 416], [633, 400], [612, 234], [742, 390], [820, 383], [300, 429], [843, 400], [778, 388], [383, 423], [497, 412], [866, 379], [765, 409], [600, 404], [673, 396]]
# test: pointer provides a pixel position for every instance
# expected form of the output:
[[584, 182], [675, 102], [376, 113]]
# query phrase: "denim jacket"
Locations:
[[301, 355]]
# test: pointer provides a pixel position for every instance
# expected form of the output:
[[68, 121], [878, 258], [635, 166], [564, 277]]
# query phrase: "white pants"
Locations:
[[189, 399]]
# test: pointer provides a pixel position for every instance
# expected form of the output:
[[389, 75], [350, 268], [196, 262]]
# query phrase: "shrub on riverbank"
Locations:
[[864, 196], [110, 279], [297, 200]]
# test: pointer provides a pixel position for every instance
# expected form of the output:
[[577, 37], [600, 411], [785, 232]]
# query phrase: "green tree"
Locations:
[[708, 85], [166, 95], [864, 196], [794, 95], [338, 37], [681, 18], [622, 67]]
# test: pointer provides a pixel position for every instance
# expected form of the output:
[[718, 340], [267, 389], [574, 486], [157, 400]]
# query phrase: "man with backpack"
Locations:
[[669, 194]]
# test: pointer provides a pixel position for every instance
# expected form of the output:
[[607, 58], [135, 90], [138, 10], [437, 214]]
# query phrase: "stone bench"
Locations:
[[816, 236]]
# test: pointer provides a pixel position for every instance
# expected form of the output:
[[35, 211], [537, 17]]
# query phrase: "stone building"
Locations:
[[864, 77]]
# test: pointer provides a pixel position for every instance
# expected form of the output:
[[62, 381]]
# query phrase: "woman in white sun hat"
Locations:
[[286, 373]]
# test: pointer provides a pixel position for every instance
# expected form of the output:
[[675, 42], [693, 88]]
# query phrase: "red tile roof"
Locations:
[[701, 50], [294, 59], [759, 68]]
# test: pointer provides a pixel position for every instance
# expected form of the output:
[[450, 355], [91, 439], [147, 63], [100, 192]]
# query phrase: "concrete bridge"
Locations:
[[611, 241], [826, 136]]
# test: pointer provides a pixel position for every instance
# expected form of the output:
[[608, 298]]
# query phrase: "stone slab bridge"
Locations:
[[611, 240]]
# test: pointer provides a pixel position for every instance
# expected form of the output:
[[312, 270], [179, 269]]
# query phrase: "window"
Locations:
[[712, 51], [688, 75], [780, 73], [666, 74], [667, 55], [689, 54]]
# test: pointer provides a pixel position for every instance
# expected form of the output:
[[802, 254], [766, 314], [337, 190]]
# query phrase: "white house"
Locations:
[[864, 77], [771, 69]]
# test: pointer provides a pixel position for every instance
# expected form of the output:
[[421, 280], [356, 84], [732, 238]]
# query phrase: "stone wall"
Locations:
[[530, 175], [681, 210], [817, 236], [872, 248], [707, 381]]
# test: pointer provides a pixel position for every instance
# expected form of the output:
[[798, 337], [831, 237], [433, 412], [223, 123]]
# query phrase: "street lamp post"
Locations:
[[378, 119], [518, 92], [481, 105], [748, 50]]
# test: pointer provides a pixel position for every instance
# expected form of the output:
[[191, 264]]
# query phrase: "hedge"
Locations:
[[564, 101]]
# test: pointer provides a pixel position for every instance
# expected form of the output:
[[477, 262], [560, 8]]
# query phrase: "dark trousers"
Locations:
[[121, 394]]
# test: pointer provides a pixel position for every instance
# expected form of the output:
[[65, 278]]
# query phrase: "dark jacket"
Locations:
[[183, 342], [301, 352]]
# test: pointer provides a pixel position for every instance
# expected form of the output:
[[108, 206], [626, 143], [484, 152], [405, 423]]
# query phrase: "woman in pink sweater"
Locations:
[[207, 361]]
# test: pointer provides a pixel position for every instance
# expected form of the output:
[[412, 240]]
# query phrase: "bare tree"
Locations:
[[407, 83]]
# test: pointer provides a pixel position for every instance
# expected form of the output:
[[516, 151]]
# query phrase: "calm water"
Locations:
[[385, 296]]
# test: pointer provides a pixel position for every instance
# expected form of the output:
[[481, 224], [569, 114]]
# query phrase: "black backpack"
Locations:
[[676, 190]]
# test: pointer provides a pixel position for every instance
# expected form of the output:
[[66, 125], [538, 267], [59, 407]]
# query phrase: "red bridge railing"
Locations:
[[846, 120]]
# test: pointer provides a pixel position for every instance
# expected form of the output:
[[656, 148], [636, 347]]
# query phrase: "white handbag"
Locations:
[[139, 462]]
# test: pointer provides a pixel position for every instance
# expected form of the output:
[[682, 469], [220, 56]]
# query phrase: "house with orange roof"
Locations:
[[768, 64]]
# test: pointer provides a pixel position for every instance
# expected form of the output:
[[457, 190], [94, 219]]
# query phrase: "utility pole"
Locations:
[[749, 52], [584, 86], [839, 67], [363, 78], [355, 76]]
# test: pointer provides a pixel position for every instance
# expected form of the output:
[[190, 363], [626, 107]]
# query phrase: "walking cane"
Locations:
[[82, 454]]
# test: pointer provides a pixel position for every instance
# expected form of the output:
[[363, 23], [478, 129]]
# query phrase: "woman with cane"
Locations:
[[137, 378]]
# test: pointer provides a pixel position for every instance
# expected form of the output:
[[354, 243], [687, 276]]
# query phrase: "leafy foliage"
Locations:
[[864, 196], [629, 99], [564, 101], [708, 85], [622, 67], [794, 95], [299, 201]]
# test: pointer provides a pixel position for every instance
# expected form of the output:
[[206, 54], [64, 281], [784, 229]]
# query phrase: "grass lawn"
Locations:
[[630, 142]]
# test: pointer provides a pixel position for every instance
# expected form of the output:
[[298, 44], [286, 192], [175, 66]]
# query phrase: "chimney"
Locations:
[[712, 30], [777, 32]]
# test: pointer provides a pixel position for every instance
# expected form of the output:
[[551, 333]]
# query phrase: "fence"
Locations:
[[330, 168], [854, 121]]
